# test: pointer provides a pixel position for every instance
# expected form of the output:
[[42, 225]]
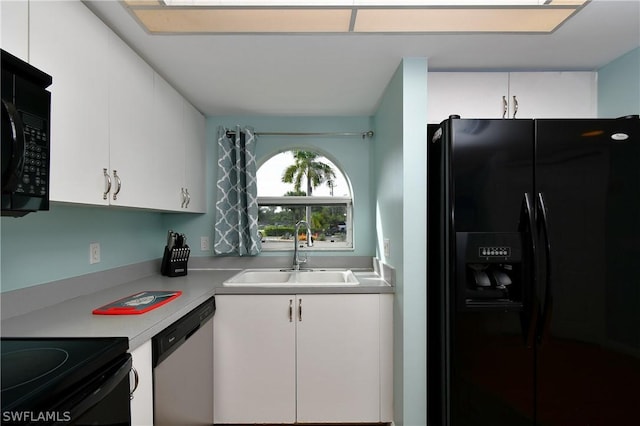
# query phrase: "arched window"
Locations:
[[302, 184]]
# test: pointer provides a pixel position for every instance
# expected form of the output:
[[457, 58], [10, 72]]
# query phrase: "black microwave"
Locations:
[[26, 116]]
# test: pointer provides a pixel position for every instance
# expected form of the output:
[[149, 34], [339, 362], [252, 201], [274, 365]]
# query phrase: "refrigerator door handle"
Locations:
[[529, 312], [546, 296]]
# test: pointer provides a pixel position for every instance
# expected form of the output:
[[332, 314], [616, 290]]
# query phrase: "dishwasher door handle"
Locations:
[[191, 333]]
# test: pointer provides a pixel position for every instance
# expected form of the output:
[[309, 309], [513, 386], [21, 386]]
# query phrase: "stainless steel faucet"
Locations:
[[296, 260]]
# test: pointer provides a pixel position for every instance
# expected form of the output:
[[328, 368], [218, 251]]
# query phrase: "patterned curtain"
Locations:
[[236, 228]]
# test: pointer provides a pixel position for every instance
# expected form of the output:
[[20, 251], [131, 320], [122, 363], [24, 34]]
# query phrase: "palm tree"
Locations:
[[307, 166]]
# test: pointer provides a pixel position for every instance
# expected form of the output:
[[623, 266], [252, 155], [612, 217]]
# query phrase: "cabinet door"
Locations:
[[70, 43], [338, 376], [14, 28], [553, 94], [131, 142], [386, 358], [194, 181], [254, 359], [167, 155], [142, 402], [467, 94]]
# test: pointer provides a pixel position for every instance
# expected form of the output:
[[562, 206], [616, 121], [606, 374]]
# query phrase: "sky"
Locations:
[[270, 178]]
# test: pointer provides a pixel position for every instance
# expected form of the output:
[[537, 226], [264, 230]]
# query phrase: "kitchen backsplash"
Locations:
[[49, 246]]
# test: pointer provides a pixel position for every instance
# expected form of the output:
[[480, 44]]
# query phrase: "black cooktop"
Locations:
[[37, 372]]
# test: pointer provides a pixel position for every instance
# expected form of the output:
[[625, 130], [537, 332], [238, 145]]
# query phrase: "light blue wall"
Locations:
[[619, 86], [399, 158], [47, 246], [350, 154], [388, 187]]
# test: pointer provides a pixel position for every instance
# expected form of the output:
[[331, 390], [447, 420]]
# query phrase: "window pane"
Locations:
[[270, 175], [328, 226], [304, 185]]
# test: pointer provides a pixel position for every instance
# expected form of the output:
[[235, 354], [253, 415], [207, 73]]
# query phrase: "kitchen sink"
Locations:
[[257, 276], [286, 278], [329, 277]]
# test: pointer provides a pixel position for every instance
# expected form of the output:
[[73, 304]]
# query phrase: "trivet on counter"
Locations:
[[138, 303]]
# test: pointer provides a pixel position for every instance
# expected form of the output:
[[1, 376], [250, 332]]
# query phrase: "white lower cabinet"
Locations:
[[254, 364], [142, 401], [337, 358], [302, 358]]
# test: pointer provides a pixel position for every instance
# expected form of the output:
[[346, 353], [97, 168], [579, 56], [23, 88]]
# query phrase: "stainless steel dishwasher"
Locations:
[[183, 369]]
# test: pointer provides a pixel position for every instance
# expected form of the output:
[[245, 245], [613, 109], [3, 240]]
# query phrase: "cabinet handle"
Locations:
[[107, 184], [299, 309], [505, 106], [515, 106], [118, 184], [136, 381], [290, 310], [186, 191], [183, 198]]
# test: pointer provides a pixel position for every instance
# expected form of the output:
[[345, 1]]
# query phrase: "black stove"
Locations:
[[60, 380]]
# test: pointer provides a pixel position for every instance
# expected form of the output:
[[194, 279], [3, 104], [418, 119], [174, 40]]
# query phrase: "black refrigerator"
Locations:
[[533, 272]]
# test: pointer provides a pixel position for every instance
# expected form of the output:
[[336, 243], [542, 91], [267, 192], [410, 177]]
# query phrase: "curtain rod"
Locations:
[[367, 134]]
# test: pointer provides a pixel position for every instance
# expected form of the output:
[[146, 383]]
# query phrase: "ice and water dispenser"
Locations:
[[490, 271]]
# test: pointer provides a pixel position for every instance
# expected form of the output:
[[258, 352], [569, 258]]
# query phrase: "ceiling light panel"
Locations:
[[344, 16], [144, 2], [566, 2], [460, 20], [245, 20], [357, 3]]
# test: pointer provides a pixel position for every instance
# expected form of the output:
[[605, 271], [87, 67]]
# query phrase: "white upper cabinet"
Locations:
[[14, 28], [70, 43], [167, 151], [194, 172], [469, 95], [130, 121], [554, 94], [511, 95], [120, 134]]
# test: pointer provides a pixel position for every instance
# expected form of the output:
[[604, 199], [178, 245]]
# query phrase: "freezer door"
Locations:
[[489, 309], [588, 187]]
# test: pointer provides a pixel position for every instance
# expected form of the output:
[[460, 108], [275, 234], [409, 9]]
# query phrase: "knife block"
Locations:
[[174, 261]]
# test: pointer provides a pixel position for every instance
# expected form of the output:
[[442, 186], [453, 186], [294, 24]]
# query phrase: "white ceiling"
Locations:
[[338, 75]]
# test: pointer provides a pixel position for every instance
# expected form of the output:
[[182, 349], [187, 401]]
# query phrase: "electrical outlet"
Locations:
[[387, 247], [204, 244], [94, 253]]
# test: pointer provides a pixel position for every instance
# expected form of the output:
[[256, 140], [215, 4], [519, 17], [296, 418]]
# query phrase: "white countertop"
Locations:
[[74, 318]]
